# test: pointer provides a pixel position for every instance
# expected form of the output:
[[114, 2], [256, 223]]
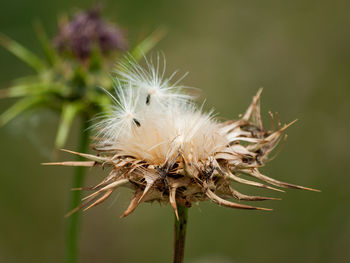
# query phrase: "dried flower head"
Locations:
[[165, 148]]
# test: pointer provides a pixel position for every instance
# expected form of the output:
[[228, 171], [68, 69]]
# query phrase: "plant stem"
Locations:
[[75, 198], [180, 234]]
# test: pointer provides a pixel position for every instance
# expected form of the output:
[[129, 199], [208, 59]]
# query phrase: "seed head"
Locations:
[[166, 149]]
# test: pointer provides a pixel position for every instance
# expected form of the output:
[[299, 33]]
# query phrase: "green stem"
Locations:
[[180, 234], [75, 199]]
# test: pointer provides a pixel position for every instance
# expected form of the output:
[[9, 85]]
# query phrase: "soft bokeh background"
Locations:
[[297, 50]]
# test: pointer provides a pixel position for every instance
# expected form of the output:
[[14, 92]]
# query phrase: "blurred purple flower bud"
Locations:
[[86, 31]]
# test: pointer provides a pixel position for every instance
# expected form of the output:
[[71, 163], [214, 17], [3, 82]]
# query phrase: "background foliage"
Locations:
[[297, 50]]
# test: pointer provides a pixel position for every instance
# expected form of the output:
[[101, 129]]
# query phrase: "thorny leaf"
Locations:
[[22, 53], [28, 89], [69, 112], [19, 107], [46, 44]]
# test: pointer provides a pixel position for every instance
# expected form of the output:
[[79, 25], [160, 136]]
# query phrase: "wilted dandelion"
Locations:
[[166, 149]]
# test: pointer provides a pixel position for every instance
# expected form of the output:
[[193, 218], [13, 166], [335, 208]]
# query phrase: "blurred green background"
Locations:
[[297, 50]]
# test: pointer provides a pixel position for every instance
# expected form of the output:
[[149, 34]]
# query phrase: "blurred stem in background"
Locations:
[[180, 234], [73, 222]]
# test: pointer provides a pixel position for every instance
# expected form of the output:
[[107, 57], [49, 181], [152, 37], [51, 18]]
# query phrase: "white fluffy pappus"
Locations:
[[152, 120], [151, 81]]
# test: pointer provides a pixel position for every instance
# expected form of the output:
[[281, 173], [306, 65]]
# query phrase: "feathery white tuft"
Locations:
[[154, 88], [152, 120], [123, 117]]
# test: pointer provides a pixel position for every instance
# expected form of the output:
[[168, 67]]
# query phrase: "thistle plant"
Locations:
[[69, 80], [165, 148]]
